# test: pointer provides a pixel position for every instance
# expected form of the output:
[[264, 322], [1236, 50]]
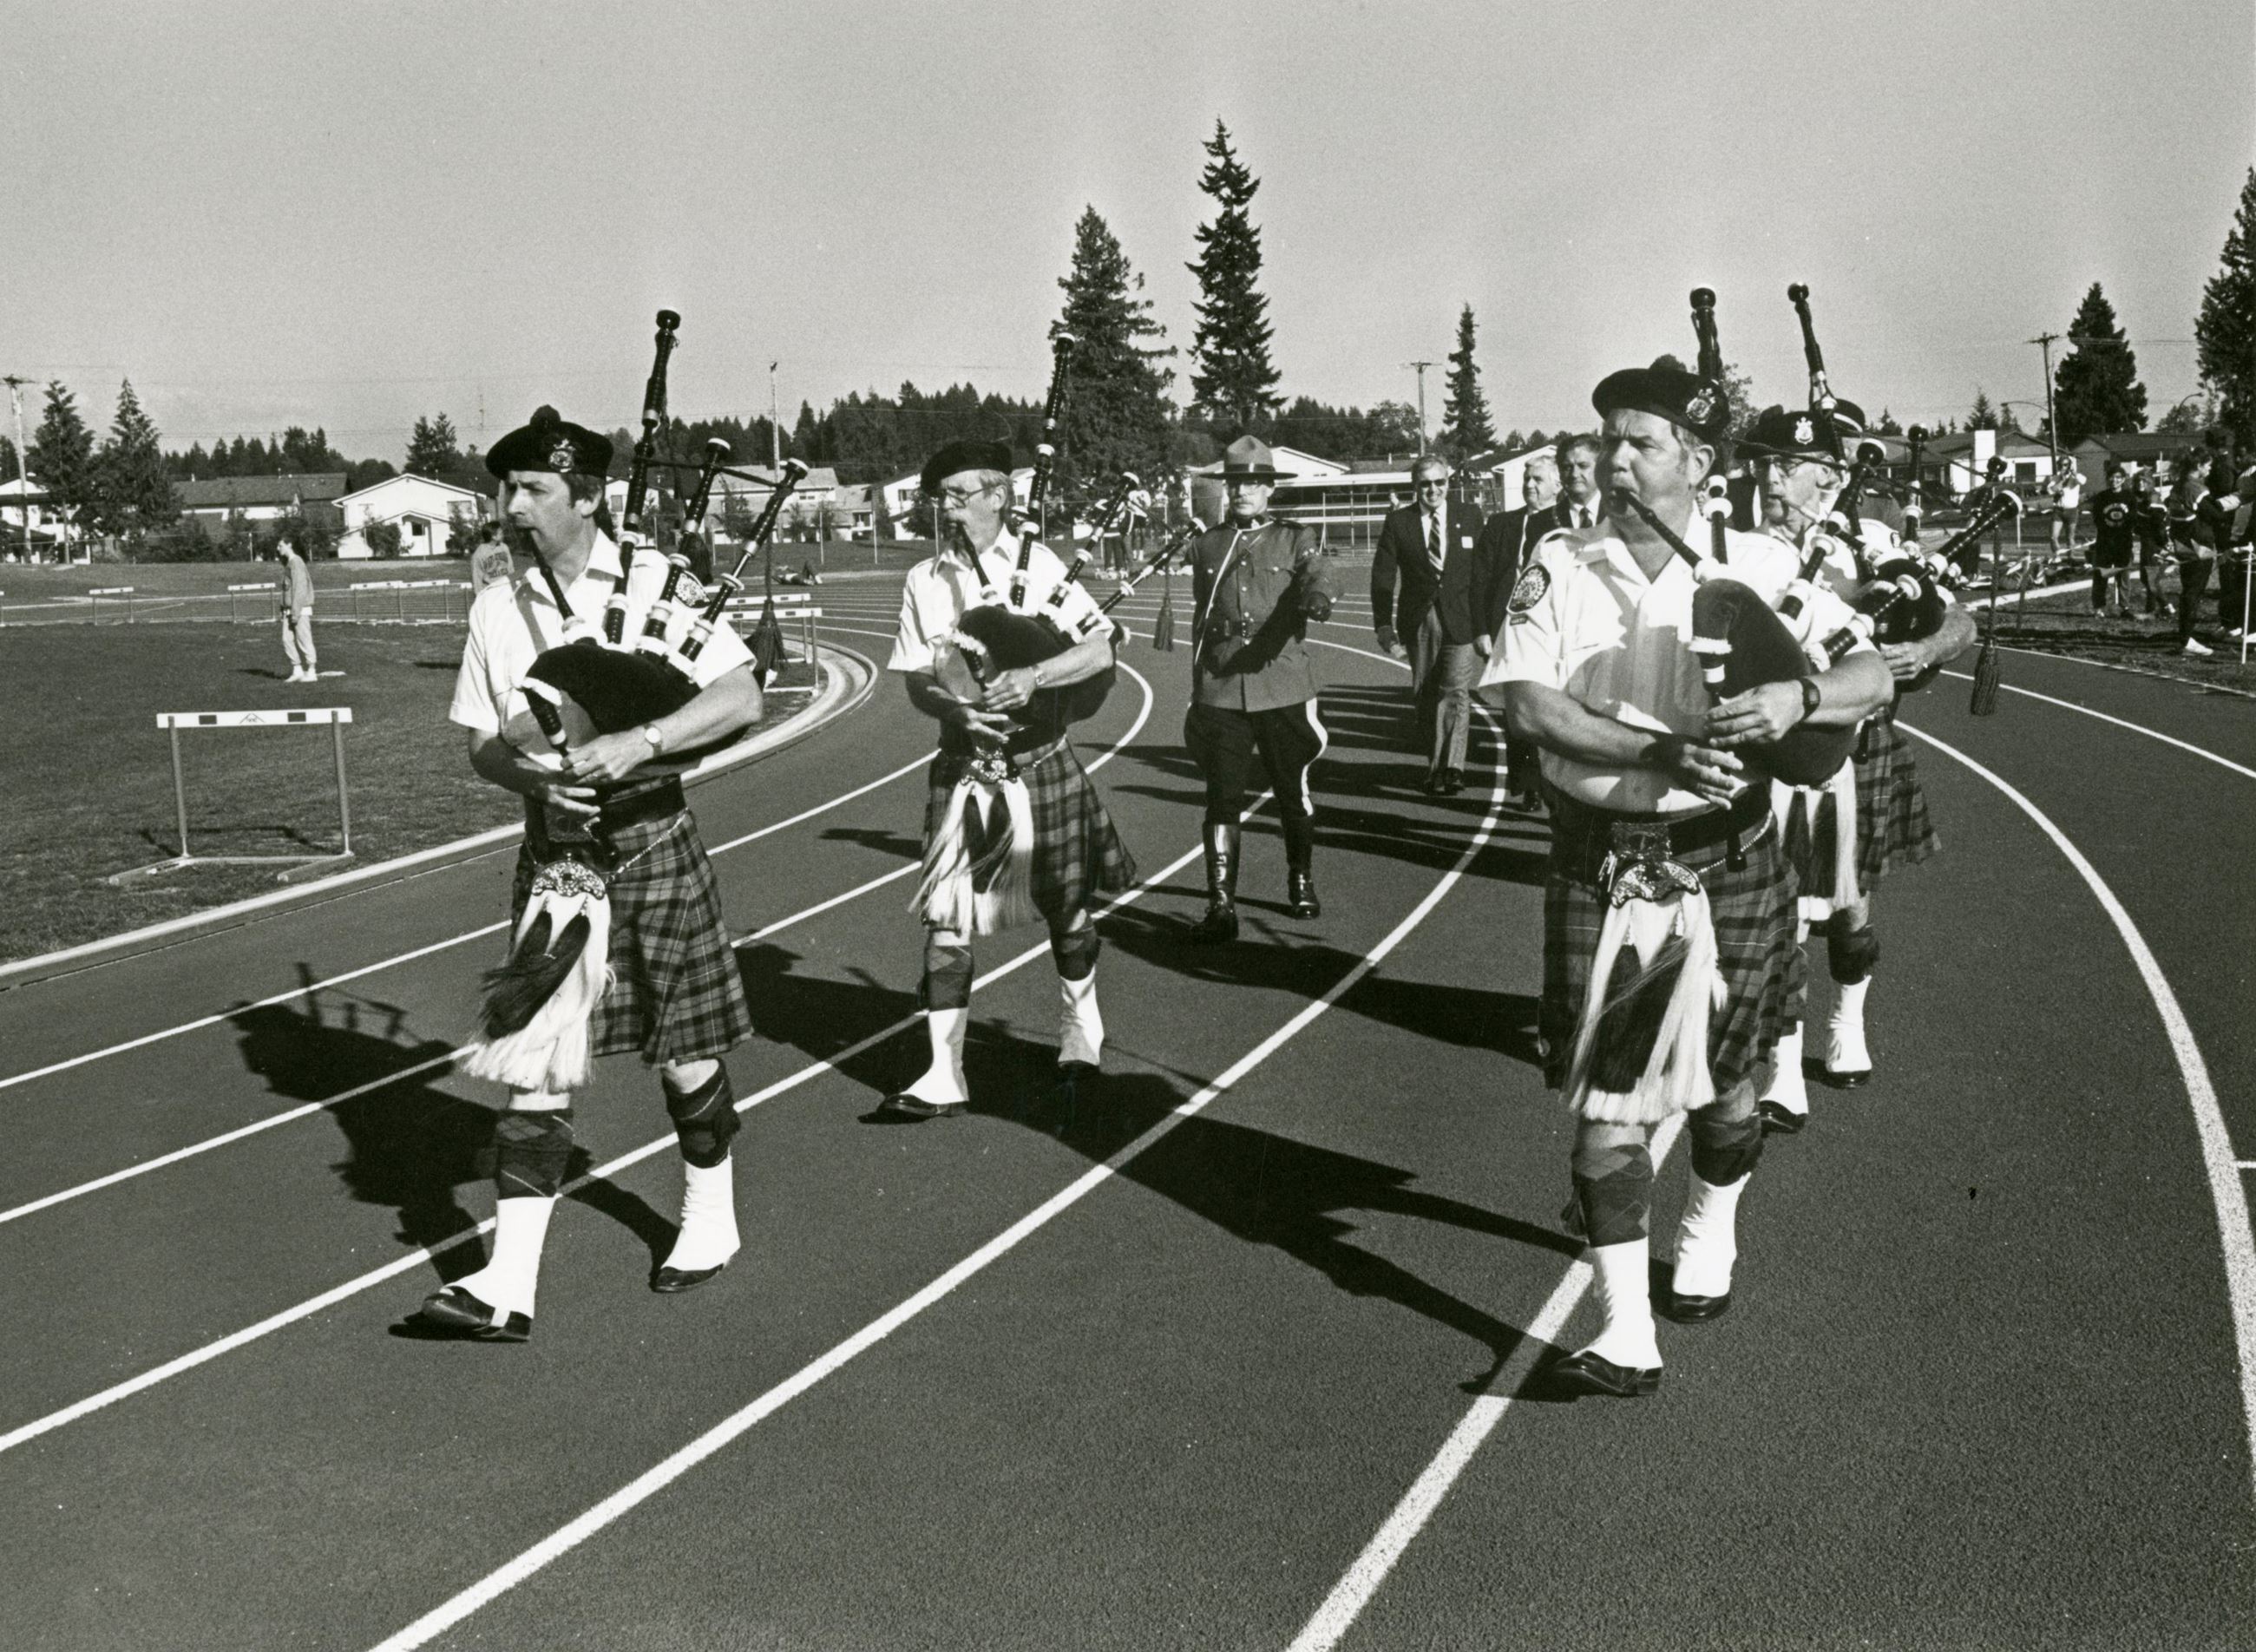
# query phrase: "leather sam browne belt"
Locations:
[[1582, 836]]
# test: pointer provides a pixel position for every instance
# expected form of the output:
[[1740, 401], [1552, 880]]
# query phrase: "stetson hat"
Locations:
[[1248, 459]]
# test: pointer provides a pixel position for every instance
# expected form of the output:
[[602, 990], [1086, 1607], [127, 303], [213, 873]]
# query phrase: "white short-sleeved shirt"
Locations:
[[942, 587], [1585, 620], [514, 621]]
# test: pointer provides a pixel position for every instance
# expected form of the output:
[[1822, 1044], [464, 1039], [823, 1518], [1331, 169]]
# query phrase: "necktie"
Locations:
[[1434, 541]]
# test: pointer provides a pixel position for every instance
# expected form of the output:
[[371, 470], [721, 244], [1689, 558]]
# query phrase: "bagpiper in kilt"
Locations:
[[617, 942], [1670, 955], [1013, 831], [1884, 823]]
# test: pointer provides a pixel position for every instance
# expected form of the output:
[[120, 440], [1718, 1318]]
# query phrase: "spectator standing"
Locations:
[[297, 611], [1432, 548], [2193, 545], [2068, 494], [2114, 526]]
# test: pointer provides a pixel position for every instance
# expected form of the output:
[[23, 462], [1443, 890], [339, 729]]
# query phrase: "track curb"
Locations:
[[849, 678]]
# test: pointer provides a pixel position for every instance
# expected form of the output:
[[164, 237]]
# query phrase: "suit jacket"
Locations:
[[1459, 593], [1505, 547]]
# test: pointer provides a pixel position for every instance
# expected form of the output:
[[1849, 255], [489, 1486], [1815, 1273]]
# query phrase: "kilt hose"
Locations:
[[1756, 955], [1892, 828], [1077, 854], [674, 992]]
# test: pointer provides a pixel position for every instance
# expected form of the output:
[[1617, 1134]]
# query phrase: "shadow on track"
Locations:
[[410, 1144]]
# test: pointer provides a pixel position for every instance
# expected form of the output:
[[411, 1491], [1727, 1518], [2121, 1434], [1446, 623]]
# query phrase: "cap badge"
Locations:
[[1804, 432], [1702, 407], [562, 457]]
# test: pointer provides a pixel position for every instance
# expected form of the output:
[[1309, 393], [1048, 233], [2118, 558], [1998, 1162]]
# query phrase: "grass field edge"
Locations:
[[842, 691]]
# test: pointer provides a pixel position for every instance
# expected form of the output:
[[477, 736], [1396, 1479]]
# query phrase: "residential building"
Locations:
[[433, 517]]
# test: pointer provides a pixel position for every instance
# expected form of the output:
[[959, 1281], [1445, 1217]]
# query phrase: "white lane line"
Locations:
[[197, 1149], [201, 1022], [416, 1259], [2230, 1198], [1362, 1579], [2130, 671], [657, 1479], [2135, 728], [1369, 1569]]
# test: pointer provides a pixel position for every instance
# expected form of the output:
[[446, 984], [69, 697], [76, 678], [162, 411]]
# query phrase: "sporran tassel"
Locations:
[[1163, 630], [767, 644], [539, 1002]]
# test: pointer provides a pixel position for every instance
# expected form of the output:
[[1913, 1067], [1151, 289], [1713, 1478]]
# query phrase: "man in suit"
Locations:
[[1431, 548], [1506, 547]]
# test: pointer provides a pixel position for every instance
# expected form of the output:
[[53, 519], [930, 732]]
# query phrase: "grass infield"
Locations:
[[90, 780]]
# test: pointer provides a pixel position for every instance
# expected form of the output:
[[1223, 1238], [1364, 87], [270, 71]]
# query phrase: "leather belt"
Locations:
[[1582, 836]]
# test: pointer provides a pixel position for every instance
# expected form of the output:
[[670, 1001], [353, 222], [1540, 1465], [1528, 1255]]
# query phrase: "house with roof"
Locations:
[[432, 517], [2157, 454], [215, 503], [29, 521]]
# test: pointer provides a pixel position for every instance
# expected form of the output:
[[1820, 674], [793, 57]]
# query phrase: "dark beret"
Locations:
[[1667, 390], [959, 456], [551, 443], [1806, 433]]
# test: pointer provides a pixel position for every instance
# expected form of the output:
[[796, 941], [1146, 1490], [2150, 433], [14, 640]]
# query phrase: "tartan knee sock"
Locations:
[[947, 976], [1613, 1186], [1076, 951], [705, 1120], [1724, 1149]]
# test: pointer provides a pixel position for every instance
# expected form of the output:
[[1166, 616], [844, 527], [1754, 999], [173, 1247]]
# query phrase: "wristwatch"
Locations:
[[1811, 699], [650, 731]]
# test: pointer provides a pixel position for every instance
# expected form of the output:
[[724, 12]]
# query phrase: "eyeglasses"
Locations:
[[964, 496], [1433, 482]]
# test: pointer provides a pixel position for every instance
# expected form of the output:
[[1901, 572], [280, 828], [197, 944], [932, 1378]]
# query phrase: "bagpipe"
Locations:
[[1005, 632], [538, 1003]]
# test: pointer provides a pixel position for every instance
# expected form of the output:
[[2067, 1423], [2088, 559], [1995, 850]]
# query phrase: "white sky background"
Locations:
[[277, 214]]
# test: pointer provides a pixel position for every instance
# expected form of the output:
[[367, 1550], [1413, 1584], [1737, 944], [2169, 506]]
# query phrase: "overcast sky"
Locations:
[[278, 214]]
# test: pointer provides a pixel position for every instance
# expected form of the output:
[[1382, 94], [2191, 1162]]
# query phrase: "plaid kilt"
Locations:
[[674, 993], [1892, 828], [1077, 854], [1761, 965]]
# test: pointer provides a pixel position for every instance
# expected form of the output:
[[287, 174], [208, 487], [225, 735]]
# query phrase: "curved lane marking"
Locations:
[[1369, 1569], [2135, 728], [659, 1476], [307, 1109]]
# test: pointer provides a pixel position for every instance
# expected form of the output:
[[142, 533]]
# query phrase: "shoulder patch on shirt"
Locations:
[[1527, 591]]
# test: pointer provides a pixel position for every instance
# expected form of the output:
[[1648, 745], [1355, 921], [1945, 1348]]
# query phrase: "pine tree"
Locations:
[[2226, 327], [2096, 388], [1115, 415], [1983, 416], [1231, 374], [137, 494], [62, 457], [1888, 426], [433, 448], [1465, 428]]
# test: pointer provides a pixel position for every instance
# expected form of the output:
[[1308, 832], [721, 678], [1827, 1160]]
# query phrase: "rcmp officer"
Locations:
[[1255, 584], [1668, 937], [673, 994], [1876, 811]]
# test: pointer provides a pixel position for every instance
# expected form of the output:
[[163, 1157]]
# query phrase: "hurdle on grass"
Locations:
[[94, 601], [402, 587], [232, 595], [173, 722], [797, 605]]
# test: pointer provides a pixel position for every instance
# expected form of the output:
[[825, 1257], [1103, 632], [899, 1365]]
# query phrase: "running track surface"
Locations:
[[1980, 1386]]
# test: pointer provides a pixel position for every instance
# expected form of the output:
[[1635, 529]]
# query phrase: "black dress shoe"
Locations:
[[1593, 1374], [1814, 1068], [455, 1312], [918, 1107], [1219, 924], [1453, 781], [1692, 1310], [1780, 1120], [670, 1281], [1300, 894]]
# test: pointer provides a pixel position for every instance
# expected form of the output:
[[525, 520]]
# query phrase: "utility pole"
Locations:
[[23, 484], [2052, 419], [775, 426], [1421, 367]]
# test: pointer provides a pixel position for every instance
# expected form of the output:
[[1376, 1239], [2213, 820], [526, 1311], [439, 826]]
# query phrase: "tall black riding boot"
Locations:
[[1220, 923]]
